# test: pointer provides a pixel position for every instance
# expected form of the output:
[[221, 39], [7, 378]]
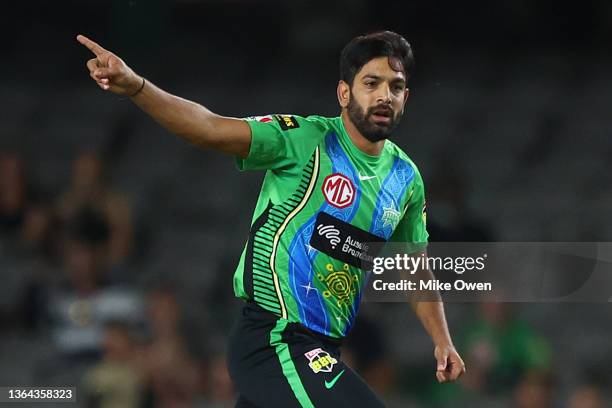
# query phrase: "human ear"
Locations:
[[344, 93], [406, 95]]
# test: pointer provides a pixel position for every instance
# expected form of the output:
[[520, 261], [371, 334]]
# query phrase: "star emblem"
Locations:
[[310, 248], [308, 288], [390, 216]]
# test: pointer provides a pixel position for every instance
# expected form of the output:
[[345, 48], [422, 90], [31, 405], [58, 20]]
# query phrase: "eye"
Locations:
[[370, 84]]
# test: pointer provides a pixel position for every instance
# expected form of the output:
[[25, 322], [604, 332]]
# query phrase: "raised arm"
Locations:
[[187, 119]]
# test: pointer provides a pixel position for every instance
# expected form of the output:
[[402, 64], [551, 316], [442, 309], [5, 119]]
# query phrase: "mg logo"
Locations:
[[338, 190]]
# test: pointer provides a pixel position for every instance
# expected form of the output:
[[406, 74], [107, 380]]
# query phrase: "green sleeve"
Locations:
[[279, 142], [412, 227]]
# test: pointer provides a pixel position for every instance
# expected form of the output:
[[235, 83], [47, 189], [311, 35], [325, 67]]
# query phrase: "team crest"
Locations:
[[390, 216], [320, 360]]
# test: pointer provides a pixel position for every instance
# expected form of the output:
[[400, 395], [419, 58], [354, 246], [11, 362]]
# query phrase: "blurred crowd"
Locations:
[[131, 345], [127, 344], [509, 364]]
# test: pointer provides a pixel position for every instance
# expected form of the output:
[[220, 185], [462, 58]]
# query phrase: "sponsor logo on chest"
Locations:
[[343, 241], [338, 190]]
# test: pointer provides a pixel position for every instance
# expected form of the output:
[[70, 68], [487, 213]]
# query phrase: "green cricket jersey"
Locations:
[[322, 201]]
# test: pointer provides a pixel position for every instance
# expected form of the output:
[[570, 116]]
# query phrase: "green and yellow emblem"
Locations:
[[342, 285]]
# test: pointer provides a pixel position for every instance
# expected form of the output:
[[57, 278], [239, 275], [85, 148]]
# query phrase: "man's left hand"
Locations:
[[450, 365]]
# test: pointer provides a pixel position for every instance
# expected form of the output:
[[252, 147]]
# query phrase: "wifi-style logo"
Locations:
[[331, 233]]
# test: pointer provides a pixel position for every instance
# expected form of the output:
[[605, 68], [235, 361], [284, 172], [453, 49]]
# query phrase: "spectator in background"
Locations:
[[220, 392], [118, 380], [175, 378], [36, 251], [88, 190], [500, 349], [87, 298], [26, 245], [586, 396], [13, 193], [535, 390], [39, 231]]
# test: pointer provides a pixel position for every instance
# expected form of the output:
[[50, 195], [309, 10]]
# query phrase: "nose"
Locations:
[[384, 94]]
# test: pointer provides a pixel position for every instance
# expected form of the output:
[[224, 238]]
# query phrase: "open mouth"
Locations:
[[382, 115]]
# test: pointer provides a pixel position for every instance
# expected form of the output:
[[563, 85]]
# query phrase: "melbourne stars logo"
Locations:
[[390, 216]]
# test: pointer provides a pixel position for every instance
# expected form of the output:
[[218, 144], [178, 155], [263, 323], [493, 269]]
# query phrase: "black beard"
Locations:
[[371, 131]]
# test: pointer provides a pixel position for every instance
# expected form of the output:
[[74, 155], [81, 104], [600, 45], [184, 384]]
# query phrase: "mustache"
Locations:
[[384, 110]]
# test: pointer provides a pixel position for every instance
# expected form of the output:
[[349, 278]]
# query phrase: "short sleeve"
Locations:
[[412, 228], [278, 142]]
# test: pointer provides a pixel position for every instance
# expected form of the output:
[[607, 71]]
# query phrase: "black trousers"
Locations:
[[277, 364]]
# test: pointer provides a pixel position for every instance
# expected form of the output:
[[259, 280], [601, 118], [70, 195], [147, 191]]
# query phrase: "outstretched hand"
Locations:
[[450, 366], [109, 71]]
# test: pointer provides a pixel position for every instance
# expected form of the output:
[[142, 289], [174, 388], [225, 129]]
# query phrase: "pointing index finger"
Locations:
[[91, 45]]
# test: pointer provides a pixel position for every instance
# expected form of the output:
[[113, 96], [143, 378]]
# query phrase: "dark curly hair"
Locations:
[[362, 49]]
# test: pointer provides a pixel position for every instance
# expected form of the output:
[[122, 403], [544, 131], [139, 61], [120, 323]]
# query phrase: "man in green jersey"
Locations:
[[332, 187]]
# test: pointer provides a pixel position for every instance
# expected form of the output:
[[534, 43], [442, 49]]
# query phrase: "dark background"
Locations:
[[508, 120]]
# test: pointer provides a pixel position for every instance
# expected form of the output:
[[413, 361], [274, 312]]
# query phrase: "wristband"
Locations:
[[139, 89]]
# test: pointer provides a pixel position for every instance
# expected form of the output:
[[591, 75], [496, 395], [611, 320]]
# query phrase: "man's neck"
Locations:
[[359, 140]]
